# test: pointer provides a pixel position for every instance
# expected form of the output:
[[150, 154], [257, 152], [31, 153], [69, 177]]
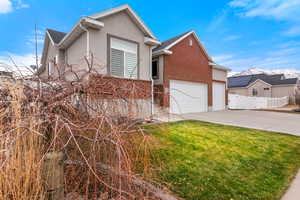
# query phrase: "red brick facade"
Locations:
[[186, 63], [112, 87]]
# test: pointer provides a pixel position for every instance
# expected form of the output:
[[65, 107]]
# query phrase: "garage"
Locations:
[[219, 96], [188, 97]]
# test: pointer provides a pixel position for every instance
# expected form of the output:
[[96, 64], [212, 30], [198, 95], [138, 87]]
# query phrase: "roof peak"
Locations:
[[55, 36], [130, 12], [166, 45], [49, 29]]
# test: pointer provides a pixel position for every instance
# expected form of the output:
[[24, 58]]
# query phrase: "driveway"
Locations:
[[263, 120]]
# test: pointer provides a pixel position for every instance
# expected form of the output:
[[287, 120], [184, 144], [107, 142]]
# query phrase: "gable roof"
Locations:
[[56, 36], [166, 45], [246, 80], [130, 12]]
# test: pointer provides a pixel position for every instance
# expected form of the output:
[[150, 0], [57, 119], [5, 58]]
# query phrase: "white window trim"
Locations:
[[124, 51]]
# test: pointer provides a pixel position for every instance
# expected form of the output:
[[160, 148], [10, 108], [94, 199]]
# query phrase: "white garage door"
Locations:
[[188, 97], [218, 96]]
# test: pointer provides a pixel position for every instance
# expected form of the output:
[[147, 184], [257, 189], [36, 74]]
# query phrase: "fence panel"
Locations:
[[246, 102]]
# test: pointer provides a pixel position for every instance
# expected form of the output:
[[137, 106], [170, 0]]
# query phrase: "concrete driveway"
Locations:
[[263, 120]]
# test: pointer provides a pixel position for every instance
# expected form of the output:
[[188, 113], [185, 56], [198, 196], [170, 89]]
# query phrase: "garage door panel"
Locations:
[[188, 97], [219, 96]]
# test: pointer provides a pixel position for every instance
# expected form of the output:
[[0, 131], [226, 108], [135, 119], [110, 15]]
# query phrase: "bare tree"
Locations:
[[90, 122]]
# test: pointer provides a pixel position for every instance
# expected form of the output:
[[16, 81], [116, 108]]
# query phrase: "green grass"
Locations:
[[205, 161]]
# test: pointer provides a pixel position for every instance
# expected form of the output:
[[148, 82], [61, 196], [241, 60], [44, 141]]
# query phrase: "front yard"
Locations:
[[205, 161]]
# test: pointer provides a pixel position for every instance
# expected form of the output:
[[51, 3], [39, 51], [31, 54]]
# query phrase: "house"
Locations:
[[186, 78], [125, 51], [263, 85], [119, 43]]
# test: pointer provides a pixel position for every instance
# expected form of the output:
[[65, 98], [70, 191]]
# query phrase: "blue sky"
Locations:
[[237, 33]]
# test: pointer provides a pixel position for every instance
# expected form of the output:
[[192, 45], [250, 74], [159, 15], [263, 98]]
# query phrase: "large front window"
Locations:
[[123, 58]]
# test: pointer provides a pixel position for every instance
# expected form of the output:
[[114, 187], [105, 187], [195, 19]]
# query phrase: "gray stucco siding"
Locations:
[[219, 75], [52, 51], [122, 26], [76, 52]]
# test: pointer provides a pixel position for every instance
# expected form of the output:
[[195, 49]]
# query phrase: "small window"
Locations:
[[266, 88], [254, 92], [190, 42], [56, 60], [50, 68], [155, 70]]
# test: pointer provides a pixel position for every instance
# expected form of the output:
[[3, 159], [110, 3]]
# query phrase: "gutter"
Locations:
[[162, 52], [83, 24], [216, 66]]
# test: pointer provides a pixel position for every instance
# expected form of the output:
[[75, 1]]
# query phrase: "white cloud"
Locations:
[[293, 31], [5, 6], [222, 58], [275, 9], [17, 63], [289, 44], [19, 60], [21, 4], [283, 10], [278, 58], [31, 41], [239, 3], [232, 37], [217, 21]]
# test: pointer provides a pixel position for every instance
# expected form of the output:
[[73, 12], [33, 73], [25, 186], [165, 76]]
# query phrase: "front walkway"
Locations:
[[293, 192]]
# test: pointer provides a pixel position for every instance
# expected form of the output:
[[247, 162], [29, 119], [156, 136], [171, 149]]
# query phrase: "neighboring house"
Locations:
[[263, 85], [186, 78], [117, 40]]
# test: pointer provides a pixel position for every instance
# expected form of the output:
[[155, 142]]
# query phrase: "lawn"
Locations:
[[205, 161]]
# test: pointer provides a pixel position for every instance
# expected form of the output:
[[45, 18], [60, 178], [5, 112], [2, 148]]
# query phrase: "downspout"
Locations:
[[152, 82]]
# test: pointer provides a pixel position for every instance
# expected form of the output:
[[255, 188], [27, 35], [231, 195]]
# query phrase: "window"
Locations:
[[266, 88], [50, 68], [155, 70], [190, 42], [254, 92], [123, 58]]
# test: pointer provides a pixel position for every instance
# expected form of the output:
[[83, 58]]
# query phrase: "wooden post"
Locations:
[[53, 172]]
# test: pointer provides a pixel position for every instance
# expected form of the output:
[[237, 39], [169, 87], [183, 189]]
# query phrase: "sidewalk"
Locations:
[[293, 193]]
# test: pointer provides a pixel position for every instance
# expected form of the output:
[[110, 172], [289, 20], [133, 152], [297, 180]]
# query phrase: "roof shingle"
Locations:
[[244, 81], [168, 42], [56, 36]]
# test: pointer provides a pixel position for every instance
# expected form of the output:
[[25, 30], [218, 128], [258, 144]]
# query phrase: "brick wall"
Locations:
[[187, 63], [112, 87]]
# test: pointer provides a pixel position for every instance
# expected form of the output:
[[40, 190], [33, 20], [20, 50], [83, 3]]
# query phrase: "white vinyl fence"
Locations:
[[246, 102]]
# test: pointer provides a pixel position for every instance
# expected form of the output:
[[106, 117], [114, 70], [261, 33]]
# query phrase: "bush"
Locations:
[[95, 134]]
